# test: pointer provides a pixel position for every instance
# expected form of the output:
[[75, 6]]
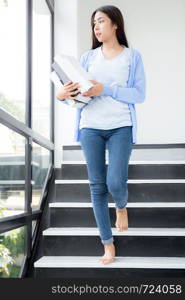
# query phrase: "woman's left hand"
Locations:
[[95, 90]]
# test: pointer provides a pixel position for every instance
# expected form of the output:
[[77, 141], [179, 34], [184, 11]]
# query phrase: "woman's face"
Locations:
[[103, 28]]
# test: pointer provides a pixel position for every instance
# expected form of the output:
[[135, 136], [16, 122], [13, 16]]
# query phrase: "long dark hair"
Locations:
[[117, 18]]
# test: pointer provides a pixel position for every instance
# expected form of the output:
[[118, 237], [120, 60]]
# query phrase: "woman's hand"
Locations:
[[67, 91], [95, 90]]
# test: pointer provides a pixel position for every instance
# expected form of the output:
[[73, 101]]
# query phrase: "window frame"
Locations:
[[25, 129]]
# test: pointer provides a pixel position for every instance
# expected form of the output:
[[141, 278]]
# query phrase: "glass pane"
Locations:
[[41, 159], [12, 252], [13, 57], [12, 172], [41, 68]]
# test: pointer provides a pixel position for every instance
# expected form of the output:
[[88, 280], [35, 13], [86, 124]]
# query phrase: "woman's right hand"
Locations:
[[67, 91]]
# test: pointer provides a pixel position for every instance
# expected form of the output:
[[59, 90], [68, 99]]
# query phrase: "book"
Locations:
[[64, 79], [74, 71], [67, 68], [58, 84]]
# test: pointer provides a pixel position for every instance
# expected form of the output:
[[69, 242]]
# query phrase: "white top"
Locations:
[[104, 112]]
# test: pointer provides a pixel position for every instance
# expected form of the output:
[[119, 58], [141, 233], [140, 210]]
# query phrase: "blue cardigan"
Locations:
[[132, 94]]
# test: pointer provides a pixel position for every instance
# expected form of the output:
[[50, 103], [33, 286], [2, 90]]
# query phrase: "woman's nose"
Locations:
[[96, 27]]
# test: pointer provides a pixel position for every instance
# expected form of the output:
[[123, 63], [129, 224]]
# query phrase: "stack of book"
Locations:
[[67, 68]]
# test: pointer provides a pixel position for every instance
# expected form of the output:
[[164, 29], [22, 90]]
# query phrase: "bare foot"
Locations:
[[109, 255], [121, 219]]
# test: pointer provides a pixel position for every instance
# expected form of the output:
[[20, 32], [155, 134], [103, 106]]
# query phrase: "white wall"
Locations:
[[65, 42], [155, 28]]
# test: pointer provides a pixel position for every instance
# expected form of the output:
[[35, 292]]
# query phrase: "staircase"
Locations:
[[154, 244]]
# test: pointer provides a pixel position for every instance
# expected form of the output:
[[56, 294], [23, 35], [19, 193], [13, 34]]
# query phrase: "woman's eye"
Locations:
[[98, 22]]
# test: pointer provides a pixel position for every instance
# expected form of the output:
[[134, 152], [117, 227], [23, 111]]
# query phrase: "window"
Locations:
[[41, 68], [27, 149], [12, 249], [41, 159], [12, 172], [13, 58]]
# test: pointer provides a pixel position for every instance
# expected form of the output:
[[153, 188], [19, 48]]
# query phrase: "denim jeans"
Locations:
[[114, 180]]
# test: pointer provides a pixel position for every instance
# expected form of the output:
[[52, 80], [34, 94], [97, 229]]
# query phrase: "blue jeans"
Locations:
[[119, 145]]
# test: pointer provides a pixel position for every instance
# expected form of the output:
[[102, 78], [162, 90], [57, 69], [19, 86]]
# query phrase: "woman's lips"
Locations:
[[98, 34]]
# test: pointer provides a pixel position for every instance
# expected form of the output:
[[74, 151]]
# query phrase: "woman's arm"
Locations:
[[135, 94]]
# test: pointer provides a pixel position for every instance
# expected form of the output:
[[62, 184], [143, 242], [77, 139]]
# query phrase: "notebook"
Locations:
[[67, 68]]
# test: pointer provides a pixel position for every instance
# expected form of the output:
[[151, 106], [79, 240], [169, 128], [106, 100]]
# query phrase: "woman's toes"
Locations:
[[117, 225], [102, 260], [108, 260], [109, 254]]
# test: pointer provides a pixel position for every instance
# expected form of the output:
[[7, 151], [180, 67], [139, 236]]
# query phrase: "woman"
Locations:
[[109, 119]]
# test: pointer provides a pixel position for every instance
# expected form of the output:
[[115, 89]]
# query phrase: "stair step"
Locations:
[[140, 242], [74, 191], [133, 181], [144, 170], [140, 214], [90, 231], [131, 162], [131, 204], [120, 262]]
